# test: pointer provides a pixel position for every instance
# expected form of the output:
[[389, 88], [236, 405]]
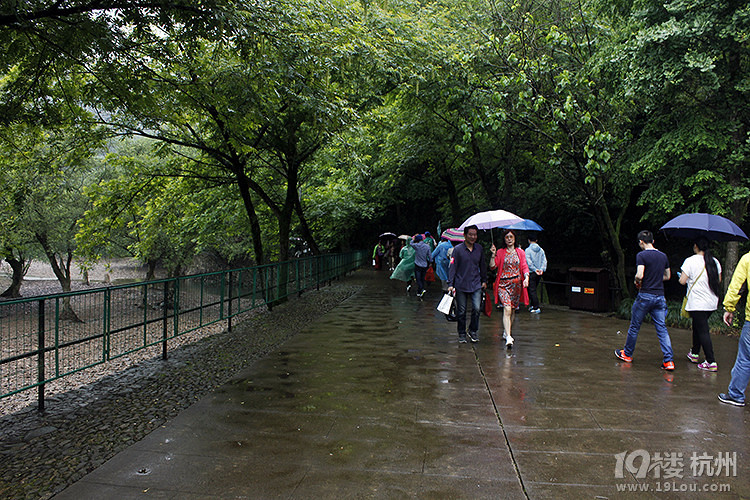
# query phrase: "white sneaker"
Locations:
[[508, 341], [505, 335]]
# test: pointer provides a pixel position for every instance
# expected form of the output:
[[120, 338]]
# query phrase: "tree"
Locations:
[[253, 104], [543, 78], [687, 68], [16, 239], [50, 167], [40, 40]]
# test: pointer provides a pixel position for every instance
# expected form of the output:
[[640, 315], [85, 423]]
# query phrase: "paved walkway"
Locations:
[[378, 400]]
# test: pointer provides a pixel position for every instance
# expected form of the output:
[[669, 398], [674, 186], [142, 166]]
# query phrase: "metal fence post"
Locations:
[[296, 277], [176, 307], [229, 304], [164, 323], [106, 343], [40, 361]]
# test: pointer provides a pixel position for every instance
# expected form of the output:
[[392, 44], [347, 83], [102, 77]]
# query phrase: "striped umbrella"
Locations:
[[453, 234]]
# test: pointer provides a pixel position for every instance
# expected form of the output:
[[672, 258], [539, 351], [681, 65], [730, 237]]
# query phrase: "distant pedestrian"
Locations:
[[422, 257], [390, 255], [377, 255], [735, 395], [511, 282], [442, 260], [652, 270], [467, 277], [702, 274], [405, 269], [537, 262]]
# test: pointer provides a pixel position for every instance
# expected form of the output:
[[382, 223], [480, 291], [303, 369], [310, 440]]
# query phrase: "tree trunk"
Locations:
[[453, 200], [489, 180], [739, 210], [62, 272], [244, 185], [306, 233], [611, 232], [14, 290], [730, 263], [151, 272]]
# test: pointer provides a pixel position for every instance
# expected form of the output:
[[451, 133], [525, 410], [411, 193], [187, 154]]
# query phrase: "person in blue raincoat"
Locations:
[[442, 260]]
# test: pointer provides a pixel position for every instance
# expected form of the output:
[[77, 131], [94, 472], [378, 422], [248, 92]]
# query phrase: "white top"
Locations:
[[700, 297]]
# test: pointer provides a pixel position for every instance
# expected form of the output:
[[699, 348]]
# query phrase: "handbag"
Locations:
[[429, 275], [486, 304], [683, 312], [445, 304], [451, 316]]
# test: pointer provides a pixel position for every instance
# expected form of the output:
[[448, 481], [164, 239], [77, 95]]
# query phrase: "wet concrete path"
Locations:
[[378, 400]]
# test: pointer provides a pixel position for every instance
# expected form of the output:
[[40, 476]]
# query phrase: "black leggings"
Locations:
[[701, 335]]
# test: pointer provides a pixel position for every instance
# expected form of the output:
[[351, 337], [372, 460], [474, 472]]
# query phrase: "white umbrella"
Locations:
[[490, 219]]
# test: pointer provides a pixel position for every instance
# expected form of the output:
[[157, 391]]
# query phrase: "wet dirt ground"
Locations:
[[377, 399]]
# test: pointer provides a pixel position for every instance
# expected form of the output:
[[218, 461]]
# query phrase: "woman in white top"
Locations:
[[702, 274]]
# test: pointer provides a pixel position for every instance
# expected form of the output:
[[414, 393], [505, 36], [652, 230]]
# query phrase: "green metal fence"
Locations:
[[48, 337]]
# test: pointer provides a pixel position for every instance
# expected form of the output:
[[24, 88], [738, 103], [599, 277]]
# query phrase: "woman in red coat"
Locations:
[[512, 281]]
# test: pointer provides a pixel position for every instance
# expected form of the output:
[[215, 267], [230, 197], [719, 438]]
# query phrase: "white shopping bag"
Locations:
[[445, 304]]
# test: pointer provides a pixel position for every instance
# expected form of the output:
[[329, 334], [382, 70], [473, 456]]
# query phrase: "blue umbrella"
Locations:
[[525, 225], [712, 227]]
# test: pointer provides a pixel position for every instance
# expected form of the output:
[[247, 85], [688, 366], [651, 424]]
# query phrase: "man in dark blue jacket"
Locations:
[[467, 277]]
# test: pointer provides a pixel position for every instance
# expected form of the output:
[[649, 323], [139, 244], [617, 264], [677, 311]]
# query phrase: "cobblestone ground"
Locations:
[[40, 454]]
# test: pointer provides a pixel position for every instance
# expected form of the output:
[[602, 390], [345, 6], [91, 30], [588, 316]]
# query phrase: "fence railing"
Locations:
[[45, 338]]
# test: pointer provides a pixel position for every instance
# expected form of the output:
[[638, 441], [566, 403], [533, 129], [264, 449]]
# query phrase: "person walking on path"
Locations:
[[422, 256], [405, 269], [735, 395], [441, 260], [467, 277], [377, 255], [512, 281], [652, 270], [390, 255], [536, 259], [701, 273]]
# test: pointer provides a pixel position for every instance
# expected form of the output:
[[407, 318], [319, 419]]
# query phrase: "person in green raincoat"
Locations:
[[405, 269]]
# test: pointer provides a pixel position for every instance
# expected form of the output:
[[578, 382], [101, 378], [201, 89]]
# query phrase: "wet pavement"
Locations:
[[377, 399]]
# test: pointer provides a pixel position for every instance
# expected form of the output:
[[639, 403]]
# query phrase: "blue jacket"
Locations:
[[440, 256], [422, 256]]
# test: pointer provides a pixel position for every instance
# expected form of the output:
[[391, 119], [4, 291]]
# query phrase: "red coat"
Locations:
[[524, 267]]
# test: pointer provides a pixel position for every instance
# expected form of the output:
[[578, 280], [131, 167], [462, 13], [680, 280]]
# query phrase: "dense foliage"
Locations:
[[240, 127]]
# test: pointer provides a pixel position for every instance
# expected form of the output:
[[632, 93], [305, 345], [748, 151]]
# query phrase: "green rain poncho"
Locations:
[[405, 269]]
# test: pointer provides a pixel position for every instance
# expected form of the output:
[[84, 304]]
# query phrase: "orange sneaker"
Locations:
[[620, 354], [669, 366]]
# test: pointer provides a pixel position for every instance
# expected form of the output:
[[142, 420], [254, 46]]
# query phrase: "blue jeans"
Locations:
[[476, 300], [656, 305], [741, 370]]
